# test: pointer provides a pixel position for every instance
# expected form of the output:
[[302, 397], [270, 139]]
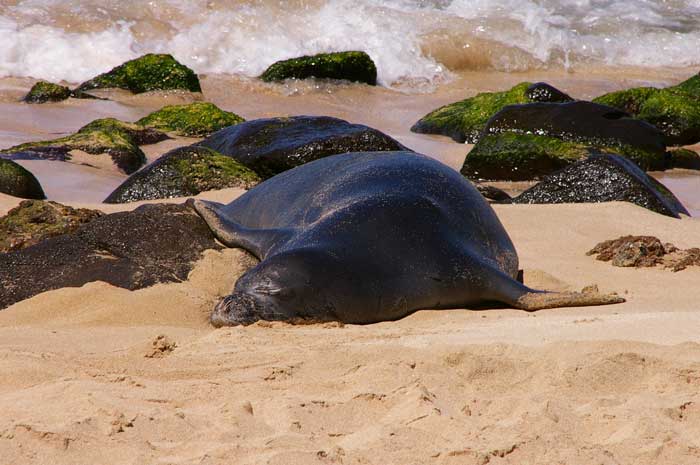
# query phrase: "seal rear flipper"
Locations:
[[505, 289], [539, 300], [231, 234]]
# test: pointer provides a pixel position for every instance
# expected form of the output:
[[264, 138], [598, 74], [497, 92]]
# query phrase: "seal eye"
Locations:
[[283, 293]]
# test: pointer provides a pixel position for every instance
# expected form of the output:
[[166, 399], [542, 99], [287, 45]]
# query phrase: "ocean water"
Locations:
[[414, 42]]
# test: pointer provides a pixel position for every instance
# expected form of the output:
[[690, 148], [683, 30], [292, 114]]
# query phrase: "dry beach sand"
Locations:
[[101, 375]]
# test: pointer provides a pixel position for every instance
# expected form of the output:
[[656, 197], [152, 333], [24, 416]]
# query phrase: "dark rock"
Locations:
[[18, 182], [119, 140], [131, 250], [684, 158], [543, 92], [604, 178], [464, 121], [271, 146], [32, 221], [674, 110], [597, 126], [350, 66], [147, 73], [197, 119], [492, 193], [183, 172]]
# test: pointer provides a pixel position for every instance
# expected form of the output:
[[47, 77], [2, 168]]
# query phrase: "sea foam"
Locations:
[[413, 42]]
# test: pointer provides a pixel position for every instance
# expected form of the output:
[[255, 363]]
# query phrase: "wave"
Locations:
[[413, 42]]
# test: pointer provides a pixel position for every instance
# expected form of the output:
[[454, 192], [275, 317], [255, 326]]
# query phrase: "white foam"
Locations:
[[73, 41]]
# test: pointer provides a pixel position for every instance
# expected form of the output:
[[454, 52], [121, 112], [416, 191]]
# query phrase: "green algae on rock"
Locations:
[[463, 121], [684, 158], [183, 172], [599, 128], [32, 221], [147, 73], [674, 110], [197, 119], [351, 66], [43, 92], [520, 157], [18, 182], [110, 136]]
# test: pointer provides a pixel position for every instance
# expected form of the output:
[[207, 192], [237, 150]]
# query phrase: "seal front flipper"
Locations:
[[231, 234]]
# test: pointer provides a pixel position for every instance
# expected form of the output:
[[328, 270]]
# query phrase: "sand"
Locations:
[[101, 375], [87, 379]]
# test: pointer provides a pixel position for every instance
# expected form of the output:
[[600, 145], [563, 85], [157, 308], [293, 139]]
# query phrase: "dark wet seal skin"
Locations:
[[368, 237]]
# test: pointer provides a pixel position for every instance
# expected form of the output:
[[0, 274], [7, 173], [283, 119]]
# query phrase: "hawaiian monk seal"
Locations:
[[366, 237]]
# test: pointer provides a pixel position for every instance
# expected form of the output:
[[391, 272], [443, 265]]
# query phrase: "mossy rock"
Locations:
[[18, 182], [183, 172], [674, 110], [43, 92], [349, 66], [147, 73], [521, 157], [136, 249], [684, 158], [587, 124], [197, 119], [270, 146], [110, 136], [464, 121], [35, 220]]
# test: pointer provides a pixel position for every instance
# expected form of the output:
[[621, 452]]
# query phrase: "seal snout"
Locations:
[[236, 309]]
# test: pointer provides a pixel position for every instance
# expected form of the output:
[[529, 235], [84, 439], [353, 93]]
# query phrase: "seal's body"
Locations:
[[367, 237]]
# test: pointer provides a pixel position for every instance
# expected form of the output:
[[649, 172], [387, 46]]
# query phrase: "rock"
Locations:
[[520, 157], [493, 193], [630, 251], [43, 92], [271, 146], [132, 250], [197, 119], [674, 110], [684, 158], [147, 73], [109, 136], [645, 251], [32, 221], [604, 178], [18, 182], [182, 172], [464, 121], [543, 92], [349, 66], [597, 126]]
